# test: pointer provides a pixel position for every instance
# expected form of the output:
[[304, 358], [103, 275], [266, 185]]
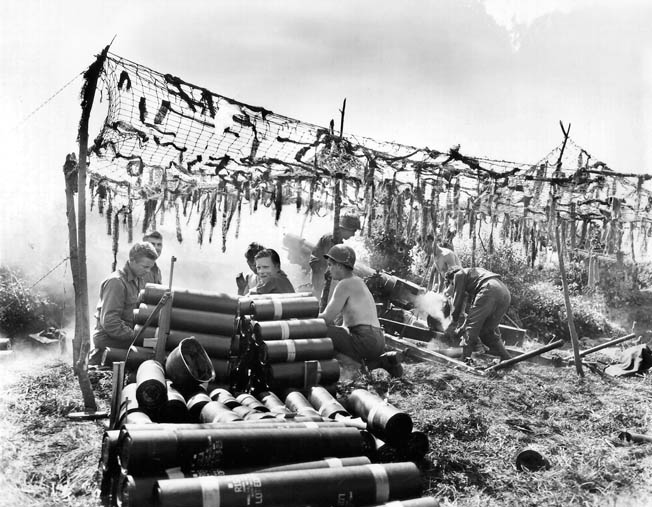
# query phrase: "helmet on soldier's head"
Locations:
[[350, 222], [342, 254]]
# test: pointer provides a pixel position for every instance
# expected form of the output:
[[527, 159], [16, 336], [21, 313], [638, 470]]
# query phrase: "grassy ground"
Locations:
[[476, 427]]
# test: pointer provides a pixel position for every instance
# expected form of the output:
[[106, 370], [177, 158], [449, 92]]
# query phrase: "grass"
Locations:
[[476, 427], [46, 459]]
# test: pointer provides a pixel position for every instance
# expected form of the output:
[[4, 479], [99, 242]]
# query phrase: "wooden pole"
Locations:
[[342, 119], [563, 146], [569, 309], [337, 239], [337, 203], [70, 175], [610, 343], [82, 326], [526, 355]]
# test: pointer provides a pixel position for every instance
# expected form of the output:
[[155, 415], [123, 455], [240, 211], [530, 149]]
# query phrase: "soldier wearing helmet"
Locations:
[[361, 338], [349, 224], [489, 300]]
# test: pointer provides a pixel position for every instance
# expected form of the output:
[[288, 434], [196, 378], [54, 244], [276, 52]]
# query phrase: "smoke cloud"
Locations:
[[432, 304]]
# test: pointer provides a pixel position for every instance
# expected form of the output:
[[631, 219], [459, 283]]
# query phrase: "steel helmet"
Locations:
[[342, 254]]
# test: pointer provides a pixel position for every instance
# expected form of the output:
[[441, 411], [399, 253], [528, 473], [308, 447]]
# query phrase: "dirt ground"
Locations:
[[476, 425]]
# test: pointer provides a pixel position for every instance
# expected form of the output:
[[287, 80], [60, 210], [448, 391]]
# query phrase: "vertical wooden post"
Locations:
[[342, 119], [70, 175], [569, 310], [82, 325], [337, 239], [337, 204]]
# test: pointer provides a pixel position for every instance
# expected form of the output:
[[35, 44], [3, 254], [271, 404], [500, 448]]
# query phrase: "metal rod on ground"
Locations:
[[607, 344], [527, 355], [569, 310]]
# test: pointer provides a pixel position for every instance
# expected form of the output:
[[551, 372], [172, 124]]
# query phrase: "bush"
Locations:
[[645, 275], [21, 310], [389, 253], [542, 310]]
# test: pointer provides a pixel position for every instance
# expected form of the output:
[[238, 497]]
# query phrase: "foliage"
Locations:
[[645, 275], [389, 252], [21, 310], [542, 310]]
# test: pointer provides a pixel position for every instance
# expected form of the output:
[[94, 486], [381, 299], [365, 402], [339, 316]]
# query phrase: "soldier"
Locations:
[[489, 300], [249, 281], [156, 239], [271, 279], [361, 337], [349, 224], [118, 299]]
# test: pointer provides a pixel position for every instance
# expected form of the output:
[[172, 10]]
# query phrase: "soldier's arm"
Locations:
[[114, 298]]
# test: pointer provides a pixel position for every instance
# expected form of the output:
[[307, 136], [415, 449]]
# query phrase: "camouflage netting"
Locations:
[[175, 146]]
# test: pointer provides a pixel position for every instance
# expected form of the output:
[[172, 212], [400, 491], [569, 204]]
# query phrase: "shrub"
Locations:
[[389, 253], [542, 310], [21, 310], [645, 275]]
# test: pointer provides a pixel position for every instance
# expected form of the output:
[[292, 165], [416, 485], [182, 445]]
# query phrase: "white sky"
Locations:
[[495, 76]]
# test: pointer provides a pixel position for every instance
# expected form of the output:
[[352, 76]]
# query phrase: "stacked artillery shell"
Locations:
[[216, 412], [175, 409], [216, 346], [196, 401], [392, 428], [271, 452], [283, 346], [274, 403], [383, 420], [281, 376], [276, 334], [128, 409], [193, 450], [191, 321], [209, 317], [139, 463], [133, 356], [109, 466], [213, 302], [360, 485], [326, 404], [151, 390], [139, 491], [244, 302], [298, 403], [284, 308]]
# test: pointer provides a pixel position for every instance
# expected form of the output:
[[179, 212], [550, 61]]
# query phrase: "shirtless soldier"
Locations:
[[361, 337]]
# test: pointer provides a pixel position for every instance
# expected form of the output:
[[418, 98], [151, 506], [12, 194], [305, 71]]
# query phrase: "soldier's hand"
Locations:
[[450, 331], [241, 282]]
